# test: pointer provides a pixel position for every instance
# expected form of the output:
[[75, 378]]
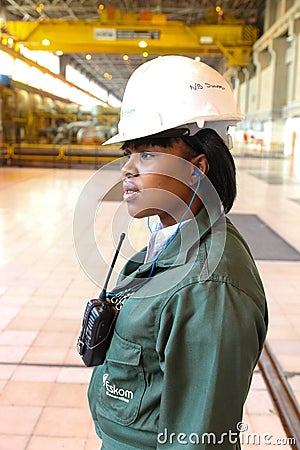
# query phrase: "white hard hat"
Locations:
[[176, 92]]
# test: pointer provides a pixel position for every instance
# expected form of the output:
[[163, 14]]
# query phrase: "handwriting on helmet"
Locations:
[[197, 86]]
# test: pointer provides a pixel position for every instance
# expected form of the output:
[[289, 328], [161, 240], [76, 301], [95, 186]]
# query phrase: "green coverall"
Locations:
[[185, 345]]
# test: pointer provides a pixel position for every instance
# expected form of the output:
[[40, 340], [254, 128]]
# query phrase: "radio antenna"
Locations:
[[102, 295]]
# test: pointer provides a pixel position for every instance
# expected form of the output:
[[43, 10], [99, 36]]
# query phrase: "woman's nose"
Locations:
[[130, 169]]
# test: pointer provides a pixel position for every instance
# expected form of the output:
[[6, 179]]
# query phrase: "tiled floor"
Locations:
[[44, 290]]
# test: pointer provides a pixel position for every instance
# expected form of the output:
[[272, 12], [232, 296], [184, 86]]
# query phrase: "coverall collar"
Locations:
[[176, 254]]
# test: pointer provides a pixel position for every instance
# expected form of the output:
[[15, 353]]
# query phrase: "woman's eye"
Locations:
[[147, 155]]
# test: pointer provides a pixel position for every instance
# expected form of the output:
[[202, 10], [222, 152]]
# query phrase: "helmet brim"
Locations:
[[181, 130]]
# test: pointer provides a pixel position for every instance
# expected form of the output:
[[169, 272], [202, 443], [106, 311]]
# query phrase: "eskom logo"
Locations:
[[125, 395]]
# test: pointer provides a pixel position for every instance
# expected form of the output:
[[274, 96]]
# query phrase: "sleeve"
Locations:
[[209, 339]]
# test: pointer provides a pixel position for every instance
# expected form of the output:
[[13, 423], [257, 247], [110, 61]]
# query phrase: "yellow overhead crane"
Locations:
[[123, 33]]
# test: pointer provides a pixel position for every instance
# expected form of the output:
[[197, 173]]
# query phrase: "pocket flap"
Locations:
[[124, 352]]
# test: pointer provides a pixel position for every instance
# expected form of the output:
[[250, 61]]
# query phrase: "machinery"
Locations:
[[30, 116], [39, 127]]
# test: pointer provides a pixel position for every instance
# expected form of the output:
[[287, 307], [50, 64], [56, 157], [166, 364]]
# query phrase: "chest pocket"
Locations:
[[120, 382]]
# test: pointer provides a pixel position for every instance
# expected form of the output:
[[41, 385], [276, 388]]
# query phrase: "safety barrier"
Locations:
[[59, 154]]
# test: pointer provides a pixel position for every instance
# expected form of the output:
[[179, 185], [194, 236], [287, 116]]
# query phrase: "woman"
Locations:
[[194, 316]]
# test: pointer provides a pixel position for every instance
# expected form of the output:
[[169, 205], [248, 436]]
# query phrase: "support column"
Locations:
[[63, 62], [280, 46]]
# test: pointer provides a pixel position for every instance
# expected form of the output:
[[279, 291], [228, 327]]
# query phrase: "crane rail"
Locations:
[[282, 395]]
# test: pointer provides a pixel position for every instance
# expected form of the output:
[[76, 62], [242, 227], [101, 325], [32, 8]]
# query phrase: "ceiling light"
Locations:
[[143, 44], [145, 54], [40, 7], [206, 40], [59, 52], [197, 58], [220, 11], [125, 57], [88, 57], [46, 42]]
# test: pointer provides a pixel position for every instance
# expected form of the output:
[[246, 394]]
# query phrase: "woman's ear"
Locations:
[[201, 162]]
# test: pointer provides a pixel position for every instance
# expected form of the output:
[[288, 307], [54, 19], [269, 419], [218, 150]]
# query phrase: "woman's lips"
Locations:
[[130, 195], [130, 191]]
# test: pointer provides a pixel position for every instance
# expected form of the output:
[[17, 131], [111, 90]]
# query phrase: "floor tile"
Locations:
[[42, 355], [93, 444], [74, 375], [35, 373], [19, 420], [9, 442], [56, 443], [14, 338], [26, 393], [68, 395], [54, 339], [52, 422], [12, 354], [259, 402], [269, 429]]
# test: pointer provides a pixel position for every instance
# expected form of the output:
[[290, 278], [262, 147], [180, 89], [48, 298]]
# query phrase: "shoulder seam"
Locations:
[[213, 279]]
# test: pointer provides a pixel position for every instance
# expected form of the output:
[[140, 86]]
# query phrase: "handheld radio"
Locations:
[[98, 323]]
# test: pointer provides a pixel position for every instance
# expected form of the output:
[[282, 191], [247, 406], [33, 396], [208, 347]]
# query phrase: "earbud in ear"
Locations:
[[192, 181], [196, 172]]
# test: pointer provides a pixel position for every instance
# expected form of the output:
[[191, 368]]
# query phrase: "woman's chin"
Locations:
[[141, 213]]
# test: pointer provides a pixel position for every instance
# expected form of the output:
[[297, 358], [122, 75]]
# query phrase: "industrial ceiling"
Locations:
[[108, 68]]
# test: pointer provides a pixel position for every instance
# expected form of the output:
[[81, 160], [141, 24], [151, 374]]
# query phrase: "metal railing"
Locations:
[[55, 153], [68, 154]]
